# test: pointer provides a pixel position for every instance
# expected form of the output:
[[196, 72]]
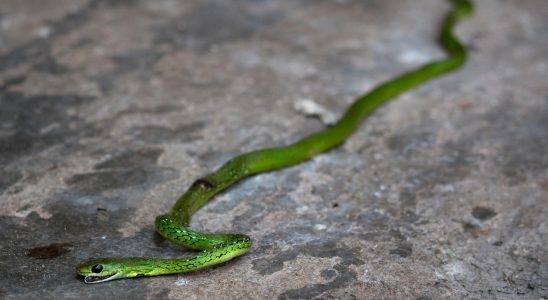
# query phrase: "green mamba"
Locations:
[[218, 248]]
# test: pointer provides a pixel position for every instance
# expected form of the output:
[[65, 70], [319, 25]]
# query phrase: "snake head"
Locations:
[[101, 270]]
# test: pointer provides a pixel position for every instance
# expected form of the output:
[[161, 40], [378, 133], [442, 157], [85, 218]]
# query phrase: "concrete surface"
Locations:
[[110, 109]]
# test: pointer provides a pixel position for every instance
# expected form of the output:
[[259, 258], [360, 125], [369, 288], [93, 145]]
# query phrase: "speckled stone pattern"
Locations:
[[110, 109]]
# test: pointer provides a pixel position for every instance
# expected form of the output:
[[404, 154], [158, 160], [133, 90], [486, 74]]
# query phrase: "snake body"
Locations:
[[217, 248]]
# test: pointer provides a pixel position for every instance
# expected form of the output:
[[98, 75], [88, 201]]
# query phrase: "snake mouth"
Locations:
[[98, 278]]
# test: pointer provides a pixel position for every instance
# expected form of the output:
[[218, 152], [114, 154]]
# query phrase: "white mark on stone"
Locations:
[[248, 58], [302, 209], [23, 213], [445, 188], [181, 282], [83, 201], [44, 32], [367, 277], [49, 128], [379, 211], [475, 222], [413, 57], [456, 270], [377, 156], [312, 109], [320, 227]]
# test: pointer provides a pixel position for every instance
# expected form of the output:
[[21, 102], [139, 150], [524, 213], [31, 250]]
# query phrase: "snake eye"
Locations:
[[97, 268]]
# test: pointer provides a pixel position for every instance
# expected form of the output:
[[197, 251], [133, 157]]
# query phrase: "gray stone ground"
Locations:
[[110, 109]]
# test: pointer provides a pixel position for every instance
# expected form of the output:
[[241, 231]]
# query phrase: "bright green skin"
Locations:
[[218, 248]]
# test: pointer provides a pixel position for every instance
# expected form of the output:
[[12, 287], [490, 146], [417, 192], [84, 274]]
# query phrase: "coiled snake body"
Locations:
[[217, 248]]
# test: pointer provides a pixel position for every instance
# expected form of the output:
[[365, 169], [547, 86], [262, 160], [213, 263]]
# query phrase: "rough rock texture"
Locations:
[[110, 109]]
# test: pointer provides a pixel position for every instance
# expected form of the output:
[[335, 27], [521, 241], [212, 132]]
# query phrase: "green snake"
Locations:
[[217, 248]]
